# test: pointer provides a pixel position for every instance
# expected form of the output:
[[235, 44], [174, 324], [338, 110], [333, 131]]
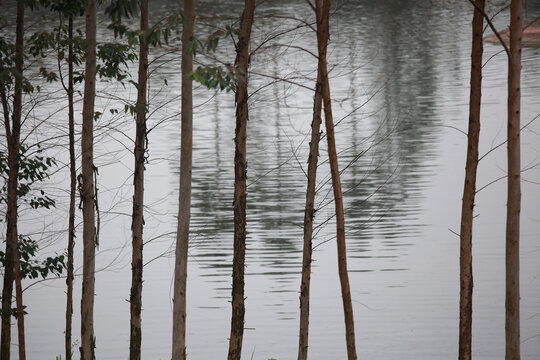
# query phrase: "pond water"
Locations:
[[400, 75]]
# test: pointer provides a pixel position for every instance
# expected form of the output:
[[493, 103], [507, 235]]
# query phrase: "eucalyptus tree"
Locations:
[[12, 269], [87, 188], [322, 10], [69, 9], [514, 184], [240, 177], [184, 200], [309, 214], [469, 190], [135, 298]]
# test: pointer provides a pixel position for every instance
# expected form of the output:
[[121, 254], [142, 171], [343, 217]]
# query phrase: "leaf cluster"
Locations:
[[32, 268], [32, 169], [215, 77]]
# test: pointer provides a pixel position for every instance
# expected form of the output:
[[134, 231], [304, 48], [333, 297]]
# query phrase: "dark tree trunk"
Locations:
[[88, 195], [12, 269], [469, 190], [309, 214], [240, 176], [184, 200], [137, 224], [323, 15], [72, 192], [514, 186]]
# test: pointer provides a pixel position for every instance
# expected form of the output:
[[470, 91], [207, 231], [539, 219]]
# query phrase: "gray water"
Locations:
[[400, 74]]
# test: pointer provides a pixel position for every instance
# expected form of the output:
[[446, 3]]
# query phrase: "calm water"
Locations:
[[400, 87]]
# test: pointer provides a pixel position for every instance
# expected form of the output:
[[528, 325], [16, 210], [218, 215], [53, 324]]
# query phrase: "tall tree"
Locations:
[[184, 203], [137, 219], [469, 189], [514, 183], [323, 15], [88, 193], [12, 265], [240, 177], [309, 214]]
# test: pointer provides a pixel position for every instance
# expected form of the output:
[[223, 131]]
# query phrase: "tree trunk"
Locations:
[[514, 187], [89, 231], [184, 201], [469, 190], [12, 269], [135, 298], [240, 176], [309, 214], [323, 15], [72, 190]]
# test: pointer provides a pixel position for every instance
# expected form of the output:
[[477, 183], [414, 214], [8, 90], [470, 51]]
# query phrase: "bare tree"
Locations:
[[469, 190], [240, 177], [323, 15], [87, 192], [137, 217], [12, 264], [309, 214], [184, 202], [514, 183]]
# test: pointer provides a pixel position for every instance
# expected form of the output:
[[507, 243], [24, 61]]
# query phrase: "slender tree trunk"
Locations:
[[12, 266], [514, 186], [184, 203], [240, 177], [137, 223], [469, 190], [323, 15], [309, 214], [89, 231], [72, 190]]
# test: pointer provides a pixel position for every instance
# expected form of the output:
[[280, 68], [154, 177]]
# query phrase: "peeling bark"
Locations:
[[72, 192], [240, 177]]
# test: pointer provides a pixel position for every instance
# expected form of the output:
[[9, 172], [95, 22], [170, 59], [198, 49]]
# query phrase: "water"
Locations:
[[400, 88]]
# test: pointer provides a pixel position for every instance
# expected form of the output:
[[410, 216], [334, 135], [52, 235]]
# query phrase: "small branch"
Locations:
[[488, 20]]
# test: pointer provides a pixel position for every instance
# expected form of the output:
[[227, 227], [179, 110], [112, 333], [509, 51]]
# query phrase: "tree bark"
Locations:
[[469, 189], [12, 266], [184, 201], [514, 186], [323, 15], [309, 214], [240, 177], [72, 192], [137, 224], [87, 160]]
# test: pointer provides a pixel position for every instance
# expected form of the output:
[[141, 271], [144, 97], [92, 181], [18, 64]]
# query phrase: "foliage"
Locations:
[[32, 169], [215, 77], [32, 268]]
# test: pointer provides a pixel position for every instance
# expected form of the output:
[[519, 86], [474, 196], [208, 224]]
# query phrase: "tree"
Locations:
[[69, 9], [240, 177], [184, 201], [309, 214], [87, 193], [469, 190], [12, 263], [322, 10], [514, 184], [135, 298]]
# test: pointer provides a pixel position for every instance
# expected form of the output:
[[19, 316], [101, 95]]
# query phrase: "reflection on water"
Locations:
[[399, 82]]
